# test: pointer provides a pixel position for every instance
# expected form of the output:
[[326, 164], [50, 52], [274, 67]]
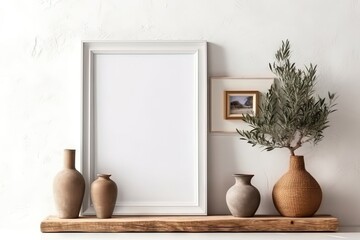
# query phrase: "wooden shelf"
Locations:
[[224, 223]]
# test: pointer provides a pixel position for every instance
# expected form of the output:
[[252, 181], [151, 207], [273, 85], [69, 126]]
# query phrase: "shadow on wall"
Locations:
[[224, 160], [217, 65], [222, 150], [220, 169]]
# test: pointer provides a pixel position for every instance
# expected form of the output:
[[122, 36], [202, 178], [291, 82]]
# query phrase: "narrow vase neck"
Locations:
[[69, 159], [297, 163], [243, 178]]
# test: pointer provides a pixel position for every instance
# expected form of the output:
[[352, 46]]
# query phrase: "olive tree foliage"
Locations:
[[290, 114]]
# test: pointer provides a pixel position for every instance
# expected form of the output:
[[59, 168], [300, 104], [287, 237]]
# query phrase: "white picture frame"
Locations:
[[218, 88], [144, 121]]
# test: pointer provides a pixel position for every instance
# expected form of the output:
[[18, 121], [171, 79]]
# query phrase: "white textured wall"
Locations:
[[40, 88]]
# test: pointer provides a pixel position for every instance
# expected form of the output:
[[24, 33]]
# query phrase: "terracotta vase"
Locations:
[[69, 187], [297, 193], [243, 199], [103, 195]]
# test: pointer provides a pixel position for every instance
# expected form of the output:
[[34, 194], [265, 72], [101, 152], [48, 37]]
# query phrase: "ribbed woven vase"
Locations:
[[297, 193]]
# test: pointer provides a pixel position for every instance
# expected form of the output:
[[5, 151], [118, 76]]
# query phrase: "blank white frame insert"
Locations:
[[145, 123]]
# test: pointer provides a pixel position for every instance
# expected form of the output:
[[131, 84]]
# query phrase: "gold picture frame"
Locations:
[[238, 103]]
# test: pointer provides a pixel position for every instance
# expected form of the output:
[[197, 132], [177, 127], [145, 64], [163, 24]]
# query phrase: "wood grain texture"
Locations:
[[190, 224]]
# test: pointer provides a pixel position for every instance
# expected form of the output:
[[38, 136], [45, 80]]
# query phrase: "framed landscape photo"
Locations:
[[223, 119], [150, 138], [239, 103]]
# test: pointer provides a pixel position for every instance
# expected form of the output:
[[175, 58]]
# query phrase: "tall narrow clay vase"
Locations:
[[243, 199], [103, 195], [297, 193], [69, 187]]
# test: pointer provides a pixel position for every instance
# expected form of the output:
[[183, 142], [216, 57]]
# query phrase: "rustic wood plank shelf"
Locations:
[[223, 223]]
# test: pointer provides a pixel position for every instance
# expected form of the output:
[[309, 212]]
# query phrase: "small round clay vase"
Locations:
[[243, 199], [297, 193], [69, 187], [103, 195]]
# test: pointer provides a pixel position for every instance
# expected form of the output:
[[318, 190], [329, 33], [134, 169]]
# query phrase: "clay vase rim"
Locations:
[[70, 149], [243, 175], [104, 175]]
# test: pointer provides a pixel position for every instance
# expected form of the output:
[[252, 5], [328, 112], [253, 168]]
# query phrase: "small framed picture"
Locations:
[[238, 103], [219, 124]]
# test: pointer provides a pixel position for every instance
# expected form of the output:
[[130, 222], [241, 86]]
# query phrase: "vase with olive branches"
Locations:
[[291, 115]]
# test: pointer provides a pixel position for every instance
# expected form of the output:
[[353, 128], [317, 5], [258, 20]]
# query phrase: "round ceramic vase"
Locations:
[[243, 199], [297, 193], [69, 187], [103, 195]]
